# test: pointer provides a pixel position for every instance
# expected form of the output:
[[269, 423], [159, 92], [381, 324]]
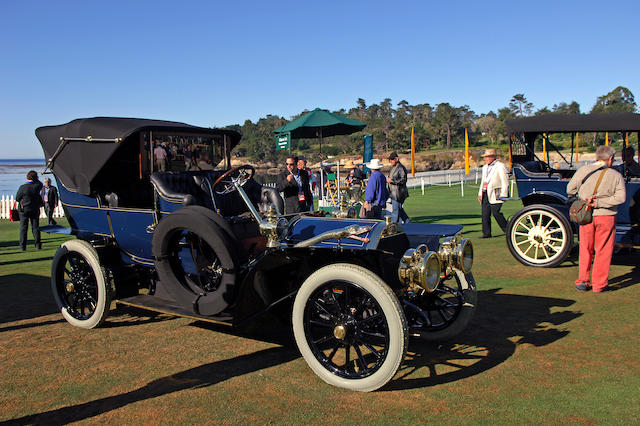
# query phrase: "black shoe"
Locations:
[[485, 236], [583, 286], [23, 249], [38, 247]]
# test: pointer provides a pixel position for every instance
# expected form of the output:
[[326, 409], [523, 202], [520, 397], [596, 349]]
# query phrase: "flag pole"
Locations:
[[466, 152], [413, 151], [577, 146]]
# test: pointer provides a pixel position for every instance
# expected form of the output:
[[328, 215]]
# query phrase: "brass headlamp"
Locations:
[[456, 253], [420, 269]]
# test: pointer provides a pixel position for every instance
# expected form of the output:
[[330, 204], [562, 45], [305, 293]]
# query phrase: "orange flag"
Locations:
[[413, 150], [466, 152]]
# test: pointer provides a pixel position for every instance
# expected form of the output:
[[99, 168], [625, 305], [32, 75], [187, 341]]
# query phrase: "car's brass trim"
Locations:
[[118, 209]]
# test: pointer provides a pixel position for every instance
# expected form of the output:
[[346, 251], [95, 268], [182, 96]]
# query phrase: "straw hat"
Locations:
[[349, 165], [374, 164], [490, 152]]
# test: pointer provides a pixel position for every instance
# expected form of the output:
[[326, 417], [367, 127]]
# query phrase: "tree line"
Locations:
[[439, 126]]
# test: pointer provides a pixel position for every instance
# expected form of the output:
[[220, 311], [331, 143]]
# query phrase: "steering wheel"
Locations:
[[244, 172]]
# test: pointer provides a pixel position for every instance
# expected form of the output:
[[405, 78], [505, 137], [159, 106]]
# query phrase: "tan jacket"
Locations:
[[497, 182], [611, 192]]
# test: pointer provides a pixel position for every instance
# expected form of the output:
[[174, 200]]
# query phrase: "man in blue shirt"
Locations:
[[376, 194]]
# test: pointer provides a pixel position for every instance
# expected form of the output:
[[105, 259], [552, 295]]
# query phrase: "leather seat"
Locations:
[[180, 187], [193, 188]]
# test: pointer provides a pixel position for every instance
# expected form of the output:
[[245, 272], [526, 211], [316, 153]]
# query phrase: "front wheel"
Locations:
[[539, 235], [444, 313], [349, 327], [79, 284]]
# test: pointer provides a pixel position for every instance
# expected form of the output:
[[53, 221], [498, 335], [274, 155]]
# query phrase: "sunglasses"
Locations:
[[291, 164]]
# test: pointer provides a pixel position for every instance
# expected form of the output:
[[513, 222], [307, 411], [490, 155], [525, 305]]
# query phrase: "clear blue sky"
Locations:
[[215, 63]]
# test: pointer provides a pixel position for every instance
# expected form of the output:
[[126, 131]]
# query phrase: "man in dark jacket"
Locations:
[[29, 203], [397, 181], [295, 187], [50, 198]]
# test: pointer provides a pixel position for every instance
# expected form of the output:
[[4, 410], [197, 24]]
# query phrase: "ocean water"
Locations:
[[13, 173]]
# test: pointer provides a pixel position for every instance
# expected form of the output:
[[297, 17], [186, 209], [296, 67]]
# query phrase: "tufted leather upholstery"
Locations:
[[193, 188], [270, 196]]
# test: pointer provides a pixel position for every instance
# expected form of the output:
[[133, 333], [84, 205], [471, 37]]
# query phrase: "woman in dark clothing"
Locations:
[[29, 203]]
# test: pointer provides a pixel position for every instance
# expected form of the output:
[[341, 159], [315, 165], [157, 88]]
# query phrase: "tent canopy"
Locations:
[[320, 123]]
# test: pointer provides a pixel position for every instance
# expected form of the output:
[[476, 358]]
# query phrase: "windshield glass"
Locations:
[[180, 152]]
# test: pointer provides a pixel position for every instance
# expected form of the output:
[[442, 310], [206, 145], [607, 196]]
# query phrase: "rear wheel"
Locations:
[[539, 235], [349, 327], [80, 285]]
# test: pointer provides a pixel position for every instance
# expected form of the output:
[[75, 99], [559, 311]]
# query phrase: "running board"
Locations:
[[168, 307], [629, 246]]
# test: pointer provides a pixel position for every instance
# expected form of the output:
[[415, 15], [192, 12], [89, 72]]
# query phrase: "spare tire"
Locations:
[[193, 258]]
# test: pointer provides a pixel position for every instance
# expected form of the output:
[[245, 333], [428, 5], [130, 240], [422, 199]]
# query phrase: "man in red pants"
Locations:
[[599, 236]]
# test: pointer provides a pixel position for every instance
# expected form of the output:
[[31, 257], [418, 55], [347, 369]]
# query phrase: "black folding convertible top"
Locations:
[[568, 123], [98, 138]]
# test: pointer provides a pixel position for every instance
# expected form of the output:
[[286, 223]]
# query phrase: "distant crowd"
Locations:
[[193, 155], [297, 182]]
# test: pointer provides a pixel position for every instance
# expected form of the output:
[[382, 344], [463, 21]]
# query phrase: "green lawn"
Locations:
[[537, 352]]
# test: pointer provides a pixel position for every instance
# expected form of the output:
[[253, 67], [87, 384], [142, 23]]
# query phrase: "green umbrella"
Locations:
[[319, 123]]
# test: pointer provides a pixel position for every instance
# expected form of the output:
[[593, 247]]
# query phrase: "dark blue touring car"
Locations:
[[541, 234], [213, 245]]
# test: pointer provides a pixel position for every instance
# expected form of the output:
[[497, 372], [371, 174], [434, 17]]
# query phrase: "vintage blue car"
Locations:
[[213, 244], [541, 234]]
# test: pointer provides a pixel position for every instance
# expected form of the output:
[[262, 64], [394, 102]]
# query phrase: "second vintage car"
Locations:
[[540, 234]]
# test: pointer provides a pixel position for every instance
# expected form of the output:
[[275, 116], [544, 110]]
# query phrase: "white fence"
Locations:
[[7, 202]]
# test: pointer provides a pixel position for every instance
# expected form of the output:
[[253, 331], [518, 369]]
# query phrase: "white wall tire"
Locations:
[[79, 284], [540, 236], [348, 309]]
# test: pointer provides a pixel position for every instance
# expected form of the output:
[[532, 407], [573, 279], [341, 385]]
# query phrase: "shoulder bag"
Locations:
[[580, 212], [14, 216]]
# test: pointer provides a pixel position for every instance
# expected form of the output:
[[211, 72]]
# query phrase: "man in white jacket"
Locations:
[[494, 187]]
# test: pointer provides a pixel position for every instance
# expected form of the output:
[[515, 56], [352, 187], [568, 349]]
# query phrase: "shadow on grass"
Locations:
[[630, 278], [193, 378], [29, 325], [25, 296], [503, 322], [14, 262], [10, 243]]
